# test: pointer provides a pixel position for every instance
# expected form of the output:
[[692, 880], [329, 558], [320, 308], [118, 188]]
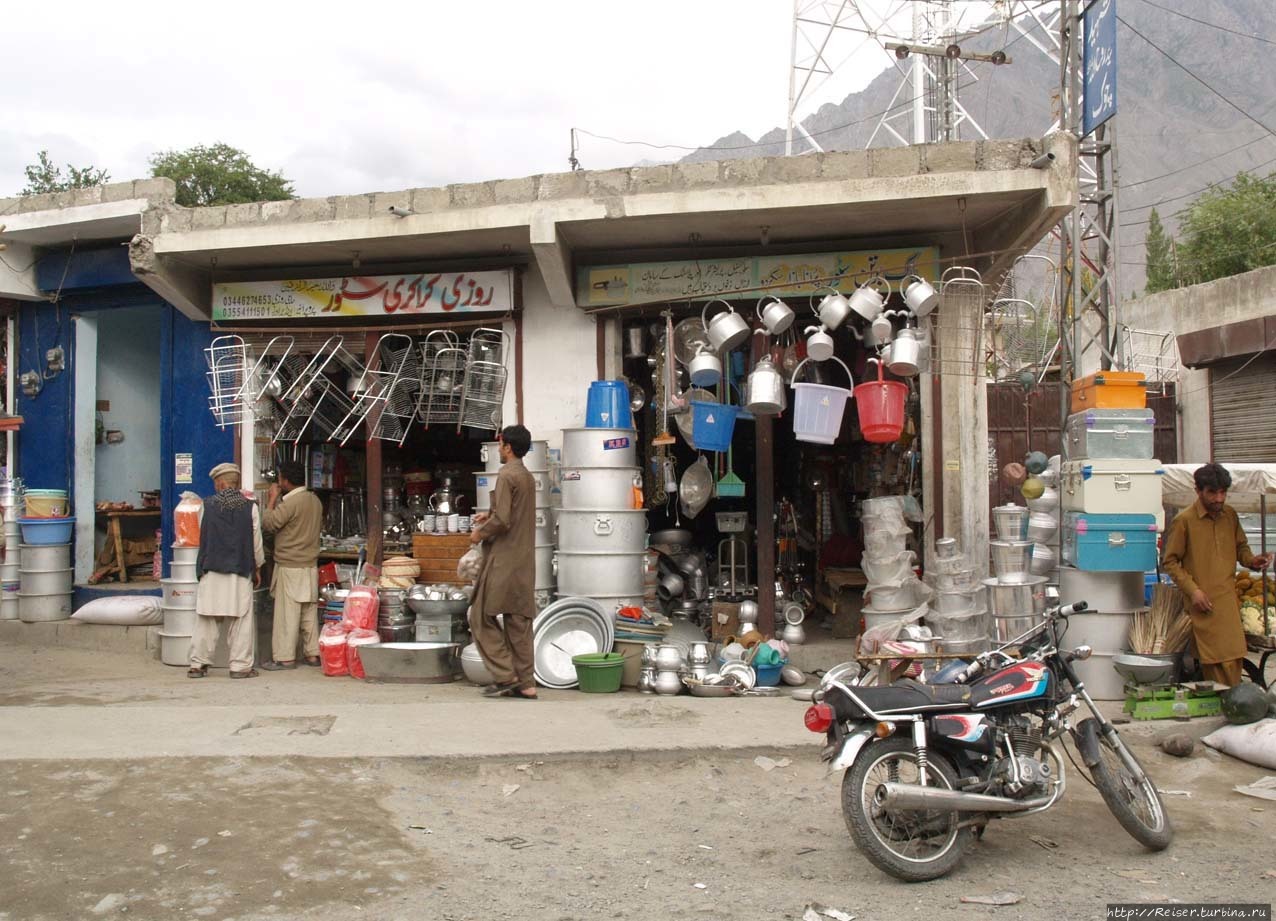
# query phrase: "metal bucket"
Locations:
[[1010, 560], [536, 458], [586, 447], [182, 572], [485, 482], [544, 527], [43, 557], [955, 602], [9, 607], [583, 531], [600, 573], [179, 594], [599, 487], [1009, 600], [544, 566], [1043, 527], [33, 609], [1011, 521], [47, 582], [185, 554], [9, 572]]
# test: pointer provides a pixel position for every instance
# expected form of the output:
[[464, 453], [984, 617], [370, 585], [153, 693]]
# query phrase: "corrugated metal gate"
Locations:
[[1241, 417], [1019, 423]]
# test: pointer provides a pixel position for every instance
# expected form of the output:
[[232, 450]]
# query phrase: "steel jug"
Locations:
[[444, 501], [834, 309], [764, 391], [904, 356], [706, 368], [819, 344]]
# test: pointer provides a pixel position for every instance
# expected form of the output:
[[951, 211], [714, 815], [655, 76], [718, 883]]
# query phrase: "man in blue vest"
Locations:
[[228, 567]]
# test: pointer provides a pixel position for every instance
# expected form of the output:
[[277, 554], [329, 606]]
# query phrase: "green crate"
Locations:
[[599, 672]]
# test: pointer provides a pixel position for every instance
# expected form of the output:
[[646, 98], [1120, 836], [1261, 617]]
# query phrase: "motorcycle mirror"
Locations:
[[1082, 653]]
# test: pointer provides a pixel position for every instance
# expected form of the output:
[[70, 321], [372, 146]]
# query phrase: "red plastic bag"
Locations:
[[332, 650], [354, 640], [186, 520], [360, 610]]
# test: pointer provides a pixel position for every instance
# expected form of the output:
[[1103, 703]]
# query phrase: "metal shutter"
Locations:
[[1241, 399]]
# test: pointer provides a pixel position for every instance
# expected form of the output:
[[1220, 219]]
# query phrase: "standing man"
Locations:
[[507, 581], [1202, 547], [228, 567], [295, 516]]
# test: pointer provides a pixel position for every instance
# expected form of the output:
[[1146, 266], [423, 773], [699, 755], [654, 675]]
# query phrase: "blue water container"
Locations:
[[608, 406]]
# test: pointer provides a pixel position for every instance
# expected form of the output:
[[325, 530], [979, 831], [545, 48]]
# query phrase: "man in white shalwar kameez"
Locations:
[[229, 567]]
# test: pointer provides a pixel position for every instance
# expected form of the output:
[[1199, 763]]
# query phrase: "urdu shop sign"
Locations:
[[431, 293]]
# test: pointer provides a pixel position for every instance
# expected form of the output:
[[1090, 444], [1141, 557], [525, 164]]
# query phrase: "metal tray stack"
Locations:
[[568, 627]]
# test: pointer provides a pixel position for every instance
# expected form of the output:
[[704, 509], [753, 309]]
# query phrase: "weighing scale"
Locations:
[[1151, 692]]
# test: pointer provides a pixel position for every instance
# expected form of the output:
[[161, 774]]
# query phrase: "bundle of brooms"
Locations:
[[1164, 628]]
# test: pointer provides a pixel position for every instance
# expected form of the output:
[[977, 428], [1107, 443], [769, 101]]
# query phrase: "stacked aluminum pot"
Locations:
[[1042, 526], [396, 623], [45, 574], [1016, 597], [179, 607], [10, 497], [602, 537], [893, 590], [958, 611], [537, 463]]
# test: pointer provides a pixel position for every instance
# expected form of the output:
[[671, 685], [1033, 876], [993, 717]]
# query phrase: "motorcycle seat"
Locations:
[[903, 697]]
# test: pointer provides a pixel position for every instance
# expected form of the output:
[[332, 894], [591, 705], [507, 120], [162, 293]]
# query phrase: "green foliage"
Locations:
[[43, 176], [1160, 269], [219, 175], [1229, 230]]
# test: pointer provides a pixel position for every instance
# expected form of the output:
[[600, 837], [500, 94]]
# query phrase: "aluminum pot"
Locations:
[[178, 594], [668, 657], [473, 666], [47, 582], [870, 297], [776, 316], [819, 344], [544, 566], [485, 482], [585, 531], [1043, 527], [591, 574], [1015, 600], [793, 634], [920, 296], [698, 654], [1010, 560], [602, 488], [725, 330], [1048, 501], [33, 608], [945, 548], [1044, 560], [904, 357], [955, 602], [42, 557], [600, 447], [705, 368], [1010, 521], [668, 683], [764, 392], [544, 527], [833, 309], [536, 458], [182, 572]]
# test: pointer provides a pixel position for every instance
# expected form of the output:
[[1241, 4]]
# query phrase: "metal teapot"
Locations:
[[445, 500]]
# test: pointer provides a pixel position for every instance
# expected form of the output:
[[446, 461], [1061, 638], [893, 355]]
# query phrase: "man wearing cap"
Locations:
[[506, 584], [295, 515], [228, 567]]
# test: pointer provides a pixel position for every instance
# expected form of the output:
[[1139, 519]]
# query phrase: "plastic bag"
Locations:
[[888, 572], [332, 650], [470, 565], [354, 640], [360, 609], [186, 520], [874, 637]]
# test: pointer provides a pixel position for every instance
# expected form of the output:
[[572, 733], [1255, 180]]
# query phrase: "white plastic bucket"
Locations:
[[818, 408]]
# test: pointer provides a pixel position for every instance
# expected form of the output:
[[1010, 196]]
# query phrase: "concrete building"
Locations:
[[564, 239]]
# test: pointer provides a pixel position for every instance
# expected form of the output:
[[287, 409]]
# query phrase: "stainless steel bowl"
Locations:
[[446, 608]]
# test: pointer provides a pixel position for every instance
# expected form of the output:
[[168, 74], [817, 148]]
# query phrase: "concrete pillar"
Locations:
[[84, 430]]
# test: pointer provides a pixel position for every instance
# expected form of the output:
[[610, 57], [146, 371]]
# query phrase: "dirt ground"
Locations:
[[632, 836]]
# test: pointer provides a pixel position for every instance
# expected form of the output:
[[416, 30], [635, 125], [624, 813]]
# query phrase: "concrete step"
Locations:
[[72, 634]]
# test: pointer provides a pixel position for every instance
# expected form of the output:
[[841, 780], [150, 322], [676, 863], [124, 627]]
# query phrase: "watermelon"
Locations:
[[1245, 703]]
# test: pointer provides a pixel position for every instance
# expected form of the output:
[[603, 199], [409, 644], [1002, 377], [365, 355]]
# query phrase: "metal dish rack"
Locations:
[[379, 399], [314, 401], [957, 334], [483, 390], [442, 383]]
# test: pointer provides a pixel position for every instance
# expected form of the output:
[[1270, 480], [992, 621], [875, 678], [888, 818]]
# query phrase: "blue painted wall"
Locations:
[[45, 440]]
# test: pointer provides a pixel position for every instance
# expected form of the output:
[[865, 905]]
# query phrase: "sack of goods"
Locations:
[[332, 650]]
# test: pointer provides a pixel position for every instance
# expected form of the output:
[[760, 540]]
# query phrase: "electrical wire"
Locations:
[[1126, 186], [1212, 25]]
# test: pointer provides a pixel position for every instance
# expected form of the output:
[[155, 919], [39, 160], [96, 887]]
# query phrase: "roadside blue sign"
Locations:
[[1098, 100]]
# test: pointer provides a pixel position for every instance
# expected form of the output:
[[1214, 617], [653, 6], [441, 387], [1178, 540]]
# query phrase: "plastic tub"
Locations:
[[9, 607], [179, 595], [768, 675], [185, 554], [175, 648], [47, 530], [607, 406], [47, 503], [599, 672], [182, 572]]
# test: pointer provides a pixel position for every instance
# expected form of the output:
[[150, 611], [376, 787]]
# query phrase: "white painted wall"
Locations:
[[559, 351], [128, 375], [1187, 310]]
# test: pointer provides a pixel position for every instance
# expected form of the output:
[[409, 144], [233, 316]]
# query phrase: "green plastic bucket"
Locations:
[[599, 672]]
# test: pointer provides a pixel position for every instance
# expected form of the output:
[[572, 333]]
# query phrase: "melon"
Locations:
[[1245, 703]]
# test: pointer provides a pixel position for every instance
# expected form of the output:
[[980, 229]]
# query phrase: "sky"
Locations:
[[377, 95]]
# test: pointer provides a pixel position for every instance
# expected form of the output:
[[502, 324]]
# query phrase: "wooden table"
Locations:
[[438, 555], [114, 536]]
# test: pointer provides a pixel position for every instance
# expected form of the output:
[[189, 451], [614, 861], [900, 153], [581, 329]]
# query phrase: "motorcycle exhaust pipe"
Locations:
[[906, 796]]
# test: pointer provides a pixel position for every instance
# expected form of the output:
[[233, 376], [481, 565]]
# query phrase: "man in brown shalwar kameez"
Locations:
[[1202, 547], [507, 581]]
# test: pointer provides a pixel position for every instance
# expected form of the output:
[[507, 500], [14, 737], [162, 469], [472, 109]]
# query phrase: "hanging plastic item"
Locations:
[[818, 408], [186, 520], [881, 408]]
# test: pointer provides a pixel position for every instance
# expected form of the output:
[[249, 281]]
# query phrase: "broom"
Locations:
[[1162, 628]]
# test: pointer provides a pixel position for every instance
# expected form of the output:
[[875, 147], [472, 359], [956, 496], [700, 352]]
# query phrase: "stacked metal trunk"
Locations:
[[537, 463], [602, 537]]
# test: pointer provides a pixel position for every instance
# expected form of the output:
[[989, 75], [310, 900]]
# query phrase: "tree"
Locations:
[[1160, 268], [43, 176], [219, 175], [1229, 230]]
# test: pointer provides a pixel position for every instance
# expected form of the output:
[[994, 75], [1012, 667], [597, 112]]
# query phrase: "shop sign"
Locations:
[[365, 296], [783, 276], [1099, 60]]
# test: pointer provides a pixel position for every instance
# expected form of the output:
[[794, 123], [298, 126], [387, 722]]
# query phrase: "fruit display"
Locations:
[[1249, 587]]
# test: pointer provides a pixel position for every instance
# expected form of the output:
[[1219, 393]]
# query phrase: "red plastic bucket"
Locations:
[[881, 408]]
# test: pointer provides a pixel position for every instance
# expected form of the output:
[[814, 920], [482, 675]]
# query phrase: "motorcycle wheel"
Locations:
[[1137, 806], [910, 845]]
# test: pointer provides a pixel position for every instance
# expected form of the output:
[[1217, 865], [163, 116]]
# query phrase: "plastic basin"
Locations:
[[768, 675], [47, 530], [599, 672]]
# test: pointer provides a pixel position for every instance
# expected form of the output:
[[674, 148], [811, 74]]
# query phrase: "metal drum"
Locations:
[[179, 594], [33, 608], [544, 566], [600, 447], [536, 458], [44, 557], [544, 527], [599, 487], [485, 482], [595, 574], [585, 531], [46, 582]]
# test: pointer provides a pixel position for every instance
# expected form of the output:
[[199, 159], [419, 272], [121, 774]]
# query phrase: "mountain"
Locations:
[[1175, 135]]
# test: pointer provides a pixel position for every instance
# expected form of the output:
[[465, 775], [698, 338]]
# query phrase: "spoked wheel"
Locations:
[[1135, 803], [912, 845]]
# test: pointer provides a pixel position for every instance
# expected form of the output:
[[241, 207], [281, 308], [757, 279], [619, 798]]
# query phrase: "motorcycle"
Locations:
[[928, 766]]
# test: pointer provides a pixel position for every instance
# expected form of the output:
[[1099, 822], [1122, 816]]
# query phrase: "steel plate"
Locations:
[[568, 627], [743, 673]]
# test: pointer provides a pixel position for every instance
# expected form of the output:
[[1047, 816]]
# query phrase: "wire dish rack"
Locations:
[[1025, 331], [957, 334], [236, 382], [442, 385], [315, 402], [373, 391], [483, 389]]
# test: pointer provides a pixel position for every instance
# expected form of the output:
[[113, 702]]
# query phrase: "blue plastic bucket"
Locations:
[[608, 406], [712, 424]]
